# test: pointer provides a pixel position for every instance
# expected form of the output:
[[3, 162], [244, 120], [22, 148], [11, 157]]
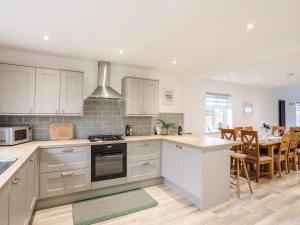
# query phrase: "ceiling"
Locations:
[[207, 38]]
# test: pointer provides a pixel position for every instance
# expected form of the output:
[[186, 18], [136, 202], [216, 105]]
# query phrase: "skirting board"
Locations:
[[66, 199]]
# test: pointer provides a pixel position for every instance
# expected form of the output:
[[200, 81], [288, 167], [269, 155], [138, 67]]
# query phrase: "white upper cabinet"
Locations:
[[71, 99], [141, 96], [47, 91], [17, 89], [40, 91], [150, 97]]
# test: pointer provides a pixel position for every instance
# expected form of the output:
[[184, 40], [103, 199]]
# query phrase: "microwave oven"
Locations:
[[15, 135]]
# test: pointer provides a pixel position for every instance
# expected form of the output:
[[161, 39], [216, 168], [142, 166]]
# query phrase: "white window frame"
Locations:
[[224, 102], [297, 114]]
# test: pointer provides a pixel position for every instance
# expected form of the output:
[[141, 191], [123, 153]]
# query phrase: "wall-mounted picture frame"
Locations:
[[168, 96], [248, 109]]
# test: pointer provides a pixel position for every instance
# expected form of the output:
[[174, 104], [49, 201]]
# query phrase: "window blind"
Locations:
[[297, 106], [214, 100]]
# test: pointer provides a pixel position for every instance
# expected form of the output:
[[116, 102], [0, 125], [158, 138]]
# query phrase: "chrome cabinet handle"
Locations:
[[68, 150], [146, 144], [108, 146], [31, 160], [145, 163], [16, 181], [65, 174]]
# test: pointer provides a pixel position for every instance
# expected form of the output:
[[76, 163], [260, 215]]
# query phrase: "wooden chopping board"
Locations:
[[61, 131]]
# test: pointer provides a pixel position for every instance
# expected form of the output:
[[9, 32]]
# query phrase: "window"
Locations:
[[297, 114], [218, 111]]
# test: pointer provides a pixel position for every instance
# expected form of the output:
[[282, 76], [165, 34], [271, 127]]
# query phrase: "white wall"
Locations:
[[264, 104], [89, 67], [290, 95]]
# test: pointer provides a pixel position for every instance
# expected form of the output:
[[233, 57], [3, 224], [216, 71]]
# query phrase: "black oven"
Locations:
[[109, 161]]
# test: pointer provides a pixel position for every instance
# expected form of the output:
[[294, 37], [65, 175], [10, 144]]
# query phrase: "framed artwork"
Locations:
[[248, 109], [168, 96]]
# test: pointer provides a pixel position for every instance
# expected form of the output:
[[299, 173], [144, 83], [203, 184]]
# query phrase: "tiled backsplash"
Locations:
[[100, 117]]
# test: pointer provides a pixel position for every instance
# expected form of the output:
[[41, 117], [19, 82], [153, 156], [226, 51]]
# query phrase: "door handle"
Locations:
[[145, 163], [68, 150], [64, 174]]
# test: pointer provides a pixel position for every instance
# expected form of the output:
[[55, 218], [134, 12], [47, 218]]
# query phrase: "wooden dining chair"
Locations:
[[229, 134], [238, 131], [297, 130], [278, 129], [251, 149], [281, 156], [292, 152], [249, 128]]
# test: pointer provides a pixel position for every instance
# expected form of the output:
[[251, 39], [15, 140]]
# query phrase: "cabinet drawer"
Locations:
[[143, 170], [59, 159], [64, 182], [143, 151]]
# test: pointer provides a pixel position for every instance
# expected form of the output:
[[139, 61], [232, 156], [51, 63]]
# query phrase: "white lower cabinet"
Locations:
[[143, 170], [172, 162], [64, 182], [143, 160], [32, 180], [18, 199], [4, 198]]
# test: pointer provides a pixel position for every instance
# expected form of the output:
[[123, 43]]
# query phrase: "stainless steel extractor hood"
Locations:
[[104, 91]]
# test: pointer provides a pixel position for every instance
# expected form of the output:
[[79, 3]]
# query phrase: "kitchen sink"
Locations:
[[5, 164]]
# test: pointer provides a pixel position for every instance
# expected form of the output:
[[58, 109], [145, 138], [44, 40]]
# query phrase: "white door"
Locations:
[[31, 183], [134, 96], [172, 163], [150, 97], [4, 193], [71, 101], [17, 88], [47, 91], [17, 199]]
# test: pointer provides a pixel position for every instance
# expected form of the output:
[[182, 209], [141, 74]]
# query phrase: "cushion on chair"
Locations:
[[262, 157], [282, 156], [298, 150]]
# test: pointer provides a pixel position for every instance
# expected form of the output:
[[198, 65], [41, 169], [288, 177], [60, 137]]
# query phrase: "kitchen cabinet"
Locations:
[[47, 91], [17, 89], [71, 97], [4, 198], [18, 199], [141, 96], [28, 90], [32, 180], [143, 170]]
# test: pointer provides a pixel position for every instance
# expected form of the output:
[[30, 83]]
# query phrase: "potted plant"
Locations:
[[165, 126], [266, 127]]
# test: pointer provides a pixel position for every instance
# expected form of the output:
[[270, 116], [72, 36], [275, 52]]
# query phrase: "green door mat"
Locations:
[[110, 206]]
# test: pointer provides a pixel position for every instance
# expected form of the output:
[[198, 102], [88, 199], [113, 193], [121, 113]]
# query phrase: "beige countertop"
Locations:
[[23, 151]]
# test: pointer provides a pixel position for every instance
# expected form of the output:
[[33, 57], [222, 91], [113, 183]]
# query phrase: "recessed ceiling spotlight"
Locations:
[[121, 52], [278, 84], [174, 62], [250, 26], [231, 74], [258, 79], [46, 38]]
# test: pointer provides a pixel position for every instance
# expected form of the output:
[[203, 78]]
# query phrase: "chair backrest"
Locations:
[[278, 129], [294, 142], [249, 128], [284, 145], [296, 130], [250, 143], [238, 131], [228, 134]]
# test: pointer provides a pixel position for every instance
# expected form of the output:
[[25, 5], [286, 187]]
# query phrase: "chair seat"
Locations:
[[237, 155], [262, 157], [298, 150]]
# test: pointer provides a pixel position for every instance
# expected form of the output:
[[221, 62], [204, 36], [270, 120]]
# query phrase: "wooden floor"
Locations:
[[273, 202]]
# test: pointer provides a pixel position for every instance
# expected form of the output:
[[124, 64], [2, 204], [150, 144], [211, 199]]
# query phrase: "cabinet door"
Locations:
[[143, 170], [172, 163], [71, 100], [134, 96], [31, 183], [4, 196], [17, 88], [191, 170], [17, 199], [140, 151], [150, 97], [47, 91]]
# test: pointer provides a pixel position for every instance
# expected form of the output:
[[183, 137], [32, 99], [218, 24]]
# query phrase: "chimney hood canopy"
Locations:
[[104, 91]]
